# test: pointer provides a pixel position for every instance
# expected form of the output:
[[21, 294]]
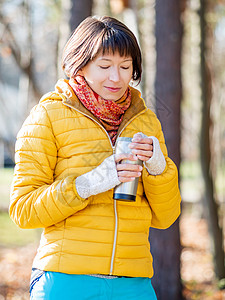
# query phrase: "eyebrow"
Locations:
[[108, 59]]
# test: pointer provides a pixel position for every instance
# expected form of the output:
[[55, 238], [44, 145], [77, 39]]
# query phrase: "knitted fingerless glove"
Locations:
[[157, 163], [101, 179]]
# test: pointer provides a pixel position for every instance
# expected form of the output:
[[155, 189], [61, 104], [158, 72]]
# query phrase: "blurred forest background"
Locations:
[[183, 46]]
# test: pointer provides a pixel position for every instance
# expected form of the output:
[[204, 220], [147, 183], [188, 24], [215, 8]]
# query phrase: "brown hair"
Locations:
[[95, 35]]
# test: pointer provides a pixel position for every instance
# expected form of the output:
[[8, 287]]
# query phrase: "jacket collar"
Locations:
[[70, 99]]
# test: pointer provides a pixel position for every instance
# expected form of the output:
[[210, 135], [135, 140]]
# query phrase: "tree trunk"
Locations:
[[80, 9], [73, 12], [165, 244], [211, 206]]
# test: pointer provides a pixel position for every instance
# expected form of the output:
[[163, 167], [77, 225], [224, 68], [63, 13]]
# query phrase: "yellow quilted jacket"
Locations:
[[61, 140]]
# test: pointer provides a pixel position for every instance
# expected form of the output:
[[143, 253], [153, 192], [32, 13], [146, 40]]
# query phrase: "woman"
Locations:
[[93, 246]]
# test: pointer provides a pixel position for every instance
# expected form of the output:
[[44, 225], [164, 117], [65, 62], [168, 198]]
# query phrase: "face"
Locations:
[[108, 75]]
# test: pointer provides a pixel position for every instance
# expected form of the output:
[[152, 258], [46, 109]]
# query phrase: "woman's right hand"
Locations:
[[126, 171]]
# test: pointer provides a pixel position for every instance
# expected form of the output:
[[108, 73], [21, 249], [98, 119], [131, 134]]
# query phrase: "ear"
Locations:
[[80, 72]]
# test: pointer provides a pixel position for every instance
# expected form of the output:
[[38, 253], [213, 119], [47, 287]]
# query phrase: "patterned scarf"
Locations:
[[110, 113]]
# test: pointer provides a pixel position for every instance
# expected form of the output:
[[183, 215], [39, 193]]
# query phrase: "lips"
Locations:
[[112, 89]]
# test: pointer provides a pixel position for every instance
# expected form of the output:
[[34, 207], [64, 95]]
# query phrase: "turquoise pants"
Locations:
[[53, 286]]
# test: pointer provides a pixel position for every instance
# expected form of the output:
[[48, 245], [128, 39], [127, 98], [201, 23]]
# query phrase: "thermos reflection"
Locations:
[[126, 190]]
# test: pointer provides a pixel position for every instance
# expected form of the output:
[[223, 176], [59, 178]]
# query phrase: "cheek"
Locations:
[[98, 77], [128, 79], [94, 78]]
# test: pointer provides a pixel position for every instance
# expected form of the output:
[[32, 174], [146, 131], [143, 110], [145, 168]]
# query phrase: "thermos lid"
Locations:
[[124, 138]]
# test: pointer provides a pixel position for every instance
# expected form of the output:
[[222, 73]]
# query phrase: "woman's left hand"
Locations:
[[142, 146]]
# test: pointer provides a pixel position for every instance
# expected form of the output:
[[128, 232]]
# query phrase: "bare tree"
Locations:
[[24, 60], [165, 244], [21, 69], [211, 206]]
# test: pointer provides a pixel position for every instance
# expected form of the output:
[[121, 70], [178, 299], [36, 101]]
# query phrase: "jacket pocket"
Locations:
[[35, 276]]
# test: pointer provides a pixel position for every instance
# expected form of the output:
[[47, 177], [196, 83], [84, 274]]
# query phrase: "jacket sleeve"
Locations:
[[36, 200], [162, 191]]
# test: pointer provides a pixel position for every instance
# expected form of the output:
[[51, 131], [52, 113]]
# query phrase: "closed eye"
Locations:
[[104, 67]]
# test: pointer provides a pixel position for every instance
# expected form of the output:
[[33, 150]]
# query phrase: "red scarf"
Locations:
[[110, 113]]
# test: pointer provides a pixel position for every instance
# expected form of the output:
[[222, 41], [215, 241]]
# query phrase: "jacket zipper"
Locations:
[[115, 204], [115, 238], [114, 201]]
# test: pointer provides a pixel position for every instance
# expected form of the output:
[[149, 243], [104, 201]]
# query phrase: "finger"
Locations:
[[148, 147], [121, 156], [143, 158], [126, 179], [142, 152], [129, 174], [142, 140], [139, 135], [129, 167]]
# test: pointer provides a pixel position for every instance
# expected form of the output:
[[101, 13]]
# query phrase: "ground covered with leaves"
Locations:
[[15, 266], [197, 261], [197, 268]]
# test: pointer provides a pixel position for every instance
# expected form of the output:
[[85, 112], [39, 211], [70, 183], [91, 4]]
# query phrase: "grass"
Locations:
[[192, 185], [10, 234], [190, 169], [6, 176]]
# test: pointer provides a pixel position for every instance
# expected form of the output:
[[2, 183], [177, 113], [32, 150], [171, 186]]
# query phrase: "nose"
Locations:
[[114, 74]]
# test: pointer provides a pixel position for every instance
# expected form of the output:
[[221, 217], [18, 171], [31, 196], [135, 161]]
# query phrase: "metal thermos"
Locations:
[[126, 190]]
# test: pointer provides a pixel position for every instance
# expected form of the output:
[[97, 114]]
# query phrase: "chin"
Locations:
[[113, 98]]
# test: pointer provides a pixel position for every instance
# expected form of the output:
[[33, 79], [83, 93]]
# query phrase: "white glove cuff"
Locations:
[[157, 163], [101, 179]]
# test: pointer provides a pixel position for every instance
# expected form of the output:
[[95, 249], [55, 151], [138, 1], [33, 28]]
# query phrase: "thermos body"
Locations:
[[126, 190]]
